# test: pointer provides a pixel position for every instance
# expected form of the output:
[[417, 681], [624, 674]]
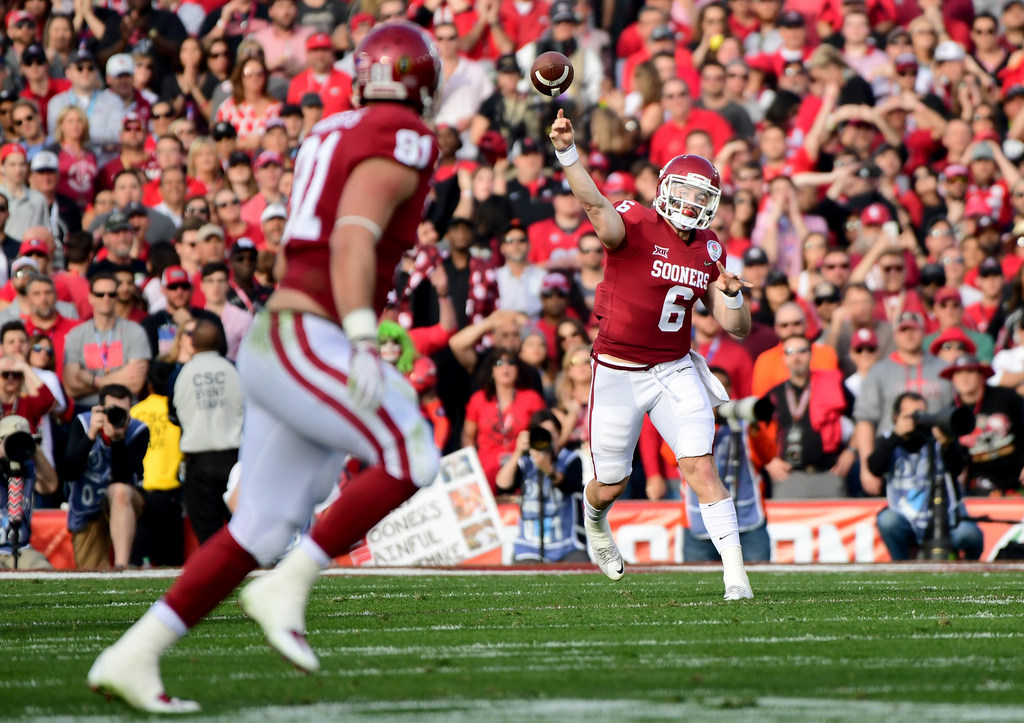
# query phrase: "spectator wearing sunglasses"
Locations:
[[161, 327], [518, 280], [21, 33], [39, 86], [22, 392], [105, 349]]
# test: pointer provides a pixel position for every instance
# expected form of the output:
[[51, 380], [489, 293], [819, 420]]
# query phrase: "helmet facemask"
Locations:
[[687, 202]]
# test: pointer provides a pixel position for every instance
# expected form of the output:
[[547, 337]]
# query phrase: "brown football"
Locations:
[[551, 73]]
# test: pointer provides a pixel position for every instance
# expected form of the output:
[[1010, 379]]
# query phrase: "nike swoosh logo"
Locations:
[[708, 263], [621, 568], [722, 538]]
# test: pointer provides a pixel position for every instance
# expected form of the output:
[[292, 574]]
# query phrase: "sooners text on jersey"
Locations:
[[651, 282], [325, 161]]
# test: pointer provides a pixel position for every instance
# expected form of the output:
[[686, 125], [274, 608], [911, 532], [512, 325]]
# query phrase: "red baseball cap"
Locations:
[[875, 215], [947, 293], [266, 158], [9, 149], [619, 182], [953, 333], [976, 206], [17, 16], [360, 19], [555, 282], [863, 338], [175, 275], [319, 41], [34, 245]]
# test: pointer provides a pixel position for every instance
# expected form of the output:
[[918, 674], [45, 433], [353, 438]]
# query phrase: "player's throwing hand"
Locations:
[[730, 283], [561, 135]]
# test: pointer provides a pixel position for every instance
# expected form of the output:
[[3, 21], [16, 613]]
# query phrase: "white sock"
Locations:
[[720, 522], [314, 552], [156, 631], [589, 510]]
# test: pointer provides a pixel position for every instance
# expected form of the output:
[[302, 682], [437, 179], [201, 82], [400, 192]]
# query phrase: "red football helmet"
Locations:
[[689, 189], [397, 61]]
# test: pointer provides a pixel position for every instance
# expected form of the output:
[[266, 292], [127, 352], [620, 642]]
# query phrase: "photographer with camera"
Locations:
[[551, 480], [920, 449], [23, 468], [103, 462]]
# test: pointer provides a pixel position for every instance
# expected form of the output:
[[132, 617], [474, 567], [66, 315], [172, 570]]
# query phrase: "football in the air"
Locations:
[[551, 73]]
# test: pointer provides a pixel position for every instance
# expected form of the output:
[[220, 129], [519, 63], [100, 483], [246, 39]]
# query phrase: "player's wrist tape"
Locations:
[[360, 325], [734, 301], [568, 156], [371, 226]]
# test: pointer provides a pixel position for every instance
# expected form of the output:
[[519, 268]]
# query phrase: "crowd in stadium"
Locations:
[[871, 158]]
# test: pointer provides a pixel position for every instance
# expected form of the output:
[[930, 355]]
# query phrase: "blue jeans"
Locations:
[[757, 547], [899, 537]]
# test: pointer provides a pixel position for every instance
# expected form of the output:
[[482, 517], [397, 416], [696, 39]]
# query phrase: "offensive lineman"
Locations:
[[315, 388], [659, 262]]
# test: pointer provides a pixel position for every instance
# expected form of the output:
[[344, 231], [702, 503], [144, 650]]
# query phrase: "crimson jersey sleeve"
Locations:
[[650, 284], [326, 160]]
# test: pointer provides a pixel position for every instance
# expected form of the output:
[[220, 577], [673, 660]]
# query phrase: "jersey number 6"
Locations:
[[673, 313]]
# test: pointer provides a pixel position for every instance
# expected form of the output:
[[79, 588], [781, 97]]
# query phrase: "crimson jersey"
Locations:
[[650, 284], [324, 163]]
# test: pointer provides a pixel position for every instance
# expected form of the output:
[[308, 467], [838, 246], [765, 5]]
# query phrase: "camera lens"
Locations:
[[117, 416]]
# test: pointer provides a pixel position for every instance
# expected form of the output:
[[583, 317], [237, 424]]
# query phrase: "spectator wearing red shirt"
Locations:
[[169, 153], [634, 36], [554, 241], [792, 29], [499, 411], [133, 153], [986, 315], [43, 317], [669, 141], [37, 245], [269, 168], [39, 86], [524, 21], [332, 85], [720, 351]]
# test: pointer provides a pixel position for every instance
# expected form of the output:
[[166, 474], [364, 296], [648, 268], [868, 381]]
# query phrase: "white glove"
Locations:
[[366, 375]]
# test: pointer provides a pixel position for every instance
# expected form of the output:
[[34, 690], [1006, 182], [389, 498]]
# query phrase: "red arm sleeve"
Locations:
[[430, 339]]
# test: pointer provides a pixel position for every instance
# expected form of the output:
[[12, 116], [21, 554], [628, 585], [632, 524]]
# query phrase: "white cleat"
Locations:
[[279, 606], [606, 552], [135, 679], [738, 592]]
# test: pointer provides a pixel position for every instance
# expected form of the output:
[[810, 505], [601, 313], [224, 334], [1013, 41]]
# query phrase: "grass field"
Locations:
[[885, 643]]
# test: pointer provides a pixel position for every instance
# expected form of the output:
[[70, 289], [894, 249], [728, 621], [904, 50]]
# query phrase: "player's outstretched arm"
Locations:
[[602, 214], [722, 298]]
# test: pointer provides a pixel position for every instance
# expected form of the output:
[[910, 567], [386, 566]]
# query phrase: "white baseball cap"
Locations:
[[120, 64]]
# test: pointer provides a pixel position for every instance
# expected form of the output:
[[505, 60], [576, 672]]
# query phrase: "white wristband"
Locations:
[[360, 325], [732, 302], [568, 156]]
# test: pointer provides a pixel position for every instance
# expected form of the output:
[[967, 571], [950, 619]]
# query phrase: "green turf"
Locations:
[[665, 638]]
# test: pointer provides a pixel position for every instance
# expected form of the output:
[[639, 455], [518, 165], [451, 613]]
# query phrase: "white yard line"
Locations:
[[764, 710]]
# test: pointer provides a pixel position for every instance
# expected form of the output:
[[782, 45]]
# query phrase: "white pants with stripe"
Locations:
[[671, 393], [300, 423]]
